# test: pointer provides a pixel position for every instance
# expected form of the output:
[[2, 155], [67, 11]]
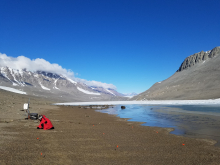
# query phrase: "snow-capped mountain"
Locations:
[[130, 94], [53, 85]]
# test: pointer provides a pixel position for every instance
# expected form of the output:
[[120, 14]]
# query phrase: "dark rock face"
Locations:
[[51, 75], [198, 57]]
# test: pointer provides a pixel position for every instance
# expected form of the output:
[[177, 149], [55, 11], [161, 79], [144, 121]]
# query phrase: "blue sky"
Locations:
[[131, 44]]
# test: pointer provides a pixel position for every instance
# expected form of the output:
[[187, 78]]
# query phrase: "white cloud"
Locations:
[[40, 64], [96, 83]]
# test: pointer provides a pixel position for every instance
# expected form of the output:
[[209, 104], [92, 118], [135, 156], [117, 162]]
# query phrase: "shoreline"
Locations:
[[184, 123], [85, 136]]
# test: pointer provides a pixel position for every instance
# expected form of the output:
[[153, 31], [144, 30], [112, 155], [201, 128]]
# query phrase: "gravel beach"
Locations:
[[84, 136]]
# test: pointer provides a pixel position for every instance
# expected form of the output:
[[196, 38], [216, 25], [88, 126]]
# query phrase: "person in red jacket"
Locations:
[[45, 123]]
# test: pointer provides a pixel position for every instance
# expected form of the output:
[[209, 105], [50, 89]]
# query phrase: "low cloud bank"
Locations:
[[39, 64], [96, 83]]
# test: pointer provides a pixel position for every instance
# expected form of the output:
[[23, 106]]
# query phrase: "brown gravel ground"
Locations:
[[84, 136]]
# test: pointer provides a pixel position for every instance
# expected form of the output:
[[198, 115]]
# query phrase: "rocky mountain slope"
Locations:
[[59, 87], [197, 78]]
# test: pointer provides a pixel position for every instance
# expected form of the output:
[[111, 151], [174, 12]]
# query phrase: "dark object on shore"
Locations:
[[122, 107], [33, 116]]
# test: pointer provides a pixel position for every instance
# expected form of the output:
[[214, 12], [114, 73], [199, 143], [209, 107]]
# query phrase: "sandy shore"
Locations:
[[84, 136]]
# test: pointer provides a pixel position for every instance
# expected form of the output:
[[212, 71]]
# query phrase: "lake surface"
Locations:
[[197, 121]]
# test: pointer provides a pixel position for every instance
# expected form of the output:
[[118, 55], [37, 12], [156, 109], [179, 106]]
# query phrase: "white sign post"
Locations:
[[26, 106]]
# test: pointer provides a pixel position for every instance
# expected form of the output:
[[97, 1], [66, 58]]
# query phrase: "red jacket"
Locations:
[[45, 123]]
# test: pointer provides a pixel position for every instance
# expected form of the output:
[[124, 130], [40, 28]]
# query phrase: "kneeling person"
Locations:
[[45, 123]]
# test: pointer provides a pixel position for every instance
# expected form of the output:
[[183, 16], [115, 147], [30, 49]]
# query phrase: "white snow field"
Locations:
[[13, 90], [152, 102], [87, 92]]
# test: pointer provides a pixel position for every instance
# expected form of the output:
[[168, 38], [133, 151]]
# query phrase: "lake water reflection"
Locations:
[[198, 121]]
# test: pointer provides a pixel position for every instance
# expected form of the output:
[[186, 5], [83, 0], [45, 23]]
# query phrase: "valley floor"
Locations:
[[84, 136]]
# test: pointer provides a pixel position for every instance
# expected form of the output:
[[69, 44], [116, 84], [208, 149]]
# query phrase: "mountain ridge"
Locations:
[[196, 78], [198, 57], [54, 84]]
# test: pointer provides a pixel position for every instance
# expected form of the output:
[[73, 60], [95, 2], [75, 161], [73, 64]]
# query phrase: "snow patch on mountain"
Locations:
[[55, 83], [71, 81], [110, 92], [12, 90], [43, 87], [87, 92]]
